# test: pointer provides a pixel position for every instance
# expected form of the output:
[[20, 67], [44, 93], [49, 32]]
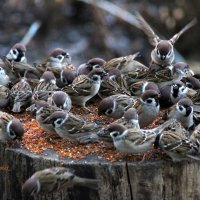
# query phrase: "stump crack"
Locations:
[[129, 181]]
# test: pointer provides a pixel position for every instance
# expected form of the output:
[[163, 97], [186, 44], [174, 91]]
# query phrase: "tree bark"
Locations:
[[157, 180]]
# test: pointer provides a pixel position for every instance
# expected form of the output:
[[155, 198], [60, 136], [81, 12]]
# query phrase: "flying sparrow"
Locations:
[[84, 87], [10, 127], [115, 105], [163, 53], [46, 85], [134, 140], [54, 179], [182, 112], [4, 96], [61, 100], [93, 63], [177, 146], [20, 95], [43, 115]]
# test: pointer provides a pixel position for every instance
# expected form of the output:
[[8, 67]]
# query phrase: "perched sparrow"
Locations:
[[17, 53], [61, 100], [93, 63], [140, 87], [46, 85], [183, 112], [182, 69], [126, 64], [110, 87], [4, 78], [147, 107], [191, 82], [172, 93], [129, 119], [134, 140], [43, 115], [84, 87], [67, 76], [70, 126], [177, 146], [115, 105], [54, 179], [10, 127], [4, 96], [20, 95], [163, 53]]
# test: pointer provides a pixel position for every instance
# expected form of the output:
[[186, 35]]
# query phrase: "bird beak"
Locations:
[[163, 57]]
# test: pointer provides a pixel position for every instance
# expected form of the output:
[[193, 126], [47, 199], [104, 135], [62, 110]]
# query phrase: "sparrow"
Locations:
[[4, 96], [115, 105], [57, 60], [171, 93], [61, 100], [140, 87], [67, 76], [93, 63], [110, 87], [53, 180], [46, 85], [163, 53], [148, 107], [10, 127], [84, 87], [191, 82], [43, 114], [4, 78], [177, 146], [129, 119], [183, 113], [20, 95], [70, 126], [126, 65], [134, 140], [17, 53], [182, 69]]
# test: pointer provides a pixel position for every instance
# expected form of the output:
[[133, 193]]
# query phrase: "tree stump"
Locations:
[[154, 180]]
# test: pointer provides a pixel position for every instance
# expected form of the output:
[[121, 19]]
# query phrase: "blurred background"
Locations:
[[87, 31]]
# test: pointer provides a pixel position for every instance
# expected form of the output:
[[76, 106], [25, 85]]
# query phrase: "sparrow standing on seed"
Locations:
[[93, 63], [61, 100], [183, 112], [54, 179], [46, 85], [147, 107], [43, 115], [177, 146], [115, 105], [10, 127], [84, 87], [163, 53], [4, 96], [172, 93], [70, 126], [20, 95], [134, 140]]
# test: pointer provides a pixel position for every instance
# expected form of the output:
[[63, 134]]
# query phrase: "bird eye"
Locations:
[[59, 57], [180, 108], [59, 121], [109, 111], [12, 134], [149, 100], [14, 52], [95, 78]]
